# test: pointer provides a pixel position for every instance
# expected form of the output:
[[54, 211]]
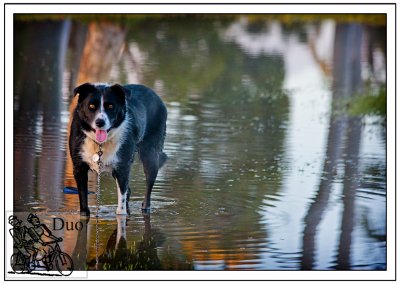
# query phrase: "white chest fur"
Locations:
[[109, 157], [110, 148]]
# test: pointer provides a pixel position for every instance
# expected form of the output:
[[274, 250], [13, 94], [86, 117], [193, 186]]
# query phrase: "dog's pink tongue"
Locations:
[[101, 135]]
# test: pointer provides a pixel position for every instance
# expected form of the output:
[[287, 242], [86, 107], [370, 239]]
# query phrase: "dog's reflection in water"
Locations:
[[141, 255]]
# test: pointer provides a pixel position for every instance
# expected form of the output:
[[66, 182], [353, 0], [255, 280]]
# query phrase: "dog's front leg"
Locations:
[[121, 177], [81, 178]]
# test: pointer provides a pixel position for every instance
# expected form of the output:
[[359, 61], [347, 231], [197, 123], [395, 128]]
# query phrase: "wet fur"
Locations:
[[138, 125]]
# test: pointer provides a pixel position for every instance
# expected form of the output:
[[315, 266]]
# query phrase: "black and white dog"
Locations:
[[124, 120]]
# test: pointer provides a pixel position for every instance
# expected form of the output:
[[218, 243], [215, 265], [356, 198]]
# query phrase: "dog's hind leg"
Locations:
[[153, 158], [150, 160], [162, 158], [128, 196]]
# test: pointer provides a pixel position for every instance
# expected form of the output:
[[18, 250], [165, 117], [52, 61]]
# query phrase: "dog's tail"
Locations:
[[162, 158]]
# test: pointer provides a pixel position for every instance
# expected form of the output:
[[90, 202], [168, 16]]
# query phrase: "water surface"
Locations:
[[265, 170]]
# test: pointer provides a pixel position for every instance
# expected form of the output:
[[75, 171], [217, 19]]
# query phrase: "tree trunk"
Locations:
[[105, 43]]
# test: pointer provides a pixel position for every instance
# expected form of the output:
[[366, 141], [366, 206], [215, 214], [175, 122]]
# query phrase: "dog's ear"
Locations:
[[83, 90], [120, 91]]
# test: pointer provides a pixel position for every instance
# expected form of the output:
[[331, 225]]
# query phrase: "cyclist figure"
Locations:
[[41, 234], [19, 235]]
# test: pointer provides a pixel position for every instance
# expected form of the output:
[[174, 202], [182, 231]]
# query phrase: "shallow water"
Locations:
[[264, 171]]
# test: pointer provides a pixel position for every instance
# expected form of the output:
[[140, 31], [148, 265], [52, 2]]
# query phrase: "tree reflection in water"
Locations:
[[343, 147]]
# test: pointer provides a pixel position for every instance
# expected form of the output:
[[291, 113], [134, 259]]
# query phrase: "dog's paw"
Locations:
[[121, 211], [145, 207], [85, 213]]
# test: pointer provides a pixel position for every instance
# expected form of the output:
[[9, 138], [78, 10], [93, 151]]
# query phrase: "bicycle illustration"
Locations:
[[36, 253]]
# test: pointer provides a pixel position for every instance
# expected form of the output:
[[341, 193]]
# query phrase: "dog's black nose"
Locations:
[[100, 122]]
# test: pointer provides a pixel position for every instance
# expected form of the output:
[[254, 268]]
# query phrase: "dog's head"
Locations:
[[101, 109]]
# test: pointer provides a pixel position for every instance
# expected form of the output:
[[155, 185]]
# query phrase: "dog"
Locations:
[[123, 119]]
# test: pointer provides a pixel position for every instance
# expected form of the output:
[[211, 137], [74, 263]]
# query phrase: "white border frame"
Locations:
[[387, 8]]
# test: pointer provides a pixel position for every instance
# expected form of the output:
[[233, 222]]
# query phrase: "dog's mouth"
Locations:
[[101, 135]]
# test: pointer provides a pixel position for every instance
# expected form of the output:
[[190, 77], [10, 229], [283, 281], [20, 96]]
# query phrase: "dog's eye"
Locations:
[[92, 107], [110, 106]]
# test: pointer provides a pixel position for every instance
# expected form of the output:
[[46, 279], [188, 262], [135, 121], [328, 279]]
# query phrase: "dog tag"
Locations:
[[95, 158]]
